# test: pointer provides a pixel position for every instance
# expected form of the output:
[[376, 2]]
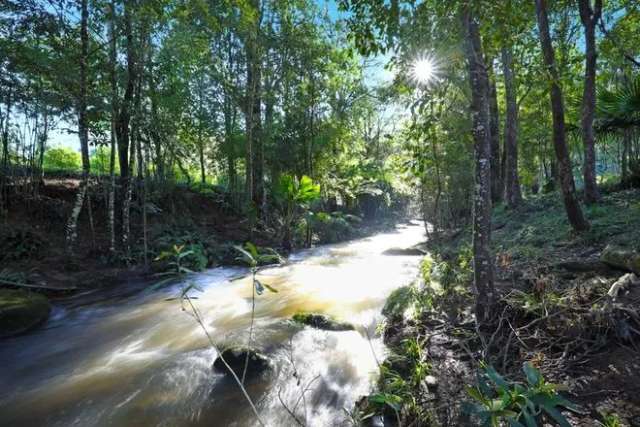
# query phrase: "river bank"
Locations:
[[567, 307], [34, 255]]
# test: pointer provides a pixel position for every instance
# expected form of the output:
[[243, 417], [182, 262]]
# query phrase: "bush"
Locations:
[[20, 244], [62, 159], [331, 228]]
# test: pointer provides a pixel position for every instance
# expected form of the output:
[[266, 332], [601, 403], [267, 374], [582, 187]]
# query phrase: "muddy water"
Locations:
[[143, 361]]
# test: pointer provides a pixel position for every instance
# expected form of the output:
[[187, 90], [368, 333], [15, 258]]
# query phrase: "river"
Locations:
[[144, 361]]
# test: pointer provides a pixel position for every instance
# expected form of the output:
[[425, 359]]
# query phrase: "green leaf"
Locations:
[[533, 375], [496, 378], [275, 291], [557, 416]]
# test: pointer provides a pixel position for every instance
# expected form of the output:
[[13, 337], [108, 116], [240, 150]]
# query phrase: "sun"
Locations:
[[423, 70]]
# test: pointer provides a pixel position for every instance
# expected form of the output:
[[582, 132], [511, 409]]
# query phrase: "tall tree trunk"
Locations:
[[589, 17], [4, 167], [482, 260], [111, 214], [565, 175], [624, 162], [513, 195], [497, 185], [258, 146], [203, 174], [249, 119], [83, 129], [124, 116]]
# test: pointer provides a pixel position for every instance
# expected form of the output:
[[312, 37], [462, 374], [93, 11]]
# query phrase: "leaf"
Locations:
[[189, 287], [533, 375], [557, 416], [496, 378], [275, 291], [258, 286], [253, 250], [246, 256]]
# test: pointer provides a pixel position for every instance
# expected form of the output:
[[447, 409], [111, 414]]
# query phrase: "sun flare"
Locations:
[[423, 70]]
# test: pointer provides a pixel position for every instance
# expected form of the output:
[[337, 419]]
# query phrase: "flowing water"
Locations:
[[144, 361]]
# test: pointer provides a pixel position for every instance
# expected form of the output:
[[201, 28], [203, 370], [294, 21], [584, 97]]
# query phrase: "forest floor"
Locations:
[[33, 246], [556, 310]]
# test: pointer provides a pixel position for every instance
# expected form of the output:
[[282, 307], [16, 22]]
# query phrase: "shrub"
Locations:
[[62, 159], [498, 401]]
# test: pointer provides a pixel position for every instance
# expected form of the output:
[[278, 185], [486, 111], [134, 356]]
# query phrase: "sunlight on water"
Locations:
[[145, 361]]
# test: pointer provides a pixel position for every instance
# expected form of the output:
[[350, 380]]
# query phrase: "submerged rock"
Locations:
[[236, 358], [321, 321], [621, 257], [21, 311], [412, 251]]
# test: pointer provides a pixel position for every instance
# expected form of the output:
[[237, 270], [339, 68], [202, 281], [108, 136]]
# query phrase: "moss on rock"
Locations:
[[321, 321], [21, 311], [621, 257]]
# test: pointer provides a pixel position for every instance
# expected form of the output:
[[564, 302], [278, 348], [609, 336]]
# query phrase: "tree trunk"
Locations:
[[565, 175], [249, 119], [83, 129], [589, 19], [114, 113], [124, 118], [497, 185], [482, 260], [4, 171], [513, 195]]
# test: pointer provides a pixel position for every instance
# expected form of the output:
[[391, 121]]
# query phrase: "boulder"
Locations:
[[622, 258], [21, 311], [321, 321], [236, 357]]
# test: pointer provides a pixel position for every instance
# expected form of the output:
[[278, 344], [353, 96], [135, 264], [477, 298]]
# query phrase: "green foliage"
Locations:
[[330, 228], [60, 159], [498, 401], [610, 420]]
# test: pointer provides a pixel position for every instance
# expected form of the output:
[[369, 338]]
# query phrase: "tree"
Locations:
[[589, 17], [513, 196], [567, 184], [480, 111], [83, 127]]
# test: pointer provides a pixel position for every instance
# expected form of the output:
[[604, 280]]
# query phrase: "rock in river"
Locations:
[[21, 311], [236, 358], [321, 321]]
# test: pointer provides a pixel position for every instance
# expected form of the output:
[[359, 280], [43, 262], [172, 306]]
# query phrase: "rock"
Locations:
[[21, 311], [321, 321], [622, 283], [431, 382], [580, 266], [412, 251], [236, 358], [622, 258]]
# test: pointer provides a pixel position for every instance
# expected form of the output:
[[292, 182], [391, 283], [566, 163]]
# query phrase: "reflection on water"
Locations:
[[145, 361]]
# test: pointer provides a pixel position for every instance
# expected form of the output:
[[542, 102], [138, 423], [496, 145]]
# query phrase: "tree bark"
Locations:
[[83, 129], [589, 17], [482, 260], [565, 175], [124, 116], [513, 195], [497, 185], [111, 214]]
